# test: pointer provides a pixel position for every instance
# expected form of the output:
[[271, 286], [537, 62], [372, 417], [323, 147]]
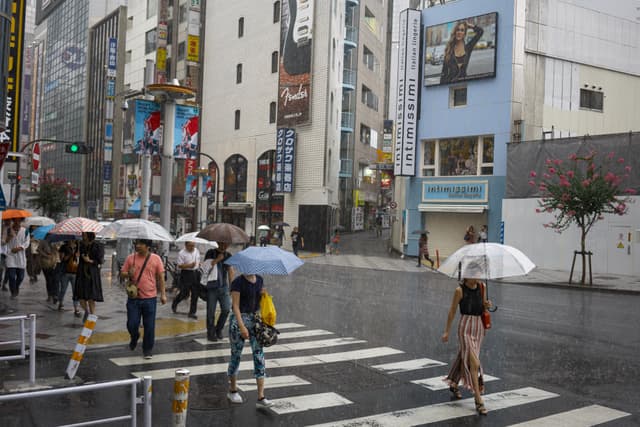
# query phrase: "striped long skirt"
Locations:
[[470, 335]]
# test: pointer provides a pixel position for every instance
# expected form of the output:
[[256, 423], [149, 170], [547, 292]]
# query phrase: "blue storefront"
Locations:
[[466, 116]]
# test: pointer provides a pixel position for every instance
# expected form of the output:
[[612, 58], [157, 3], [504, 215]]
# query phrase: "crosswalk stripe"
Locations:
[[582, 417], [408, 365], [285, 362], [222, 352], [272, 382], [283, 335], [446, 411], [436, 383], [307, 402], [290, 325]]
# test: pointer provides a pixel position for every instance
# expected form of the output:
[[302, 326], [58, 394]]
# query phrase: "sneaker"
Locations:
[[263, 403], [192, 316], [60, 307], [174, 307], [234, 397], [77, 313], [132, 344], [212, 338], [219, 335], [148, 356]]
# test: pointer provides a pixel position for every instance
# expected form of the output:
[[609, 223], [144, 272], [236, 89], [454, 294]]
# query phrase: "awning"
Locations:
[[453, 208], [135, 207]]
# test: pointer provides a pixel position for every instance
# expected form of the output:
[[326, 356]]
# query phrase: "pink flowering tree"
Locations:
[[580, 191]]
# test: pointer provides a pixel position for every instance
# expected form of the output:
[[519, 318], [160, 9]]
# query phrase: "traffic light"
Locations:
[[76, 148]]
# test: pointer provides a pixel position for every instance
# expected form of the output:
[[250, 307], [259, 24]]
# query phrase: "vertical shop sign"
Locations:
[[285, 160]]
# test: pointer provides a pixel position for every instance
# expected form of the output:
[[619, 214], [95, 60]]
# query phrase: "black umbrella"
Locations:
[[281, 224]]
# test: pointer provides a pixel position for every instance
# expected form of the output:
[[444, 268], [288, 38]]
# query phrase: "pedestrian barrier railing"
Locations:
[[24, 351], [144, 399]]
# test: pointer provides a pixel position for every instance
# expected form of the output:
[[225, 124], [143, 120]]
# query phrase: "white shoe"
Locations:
[[264, 403], [234, 397]]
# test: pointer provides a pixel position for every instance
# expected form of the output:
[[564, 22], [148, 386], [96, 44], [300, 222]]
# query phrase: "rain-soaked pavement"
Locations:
[[360, 345]]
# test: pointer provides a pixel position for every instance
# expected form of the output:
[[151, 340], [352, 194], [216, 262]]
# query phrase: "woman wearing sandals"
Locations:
[[471, 300]]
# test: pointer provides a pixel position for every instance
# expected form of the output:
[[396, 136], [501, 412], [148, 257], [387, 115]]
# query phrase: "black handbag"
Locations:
[[265, 335]]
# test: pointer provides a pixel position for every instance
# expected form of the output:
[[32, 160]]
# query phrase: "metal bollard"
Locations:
[[81, 346], [180, 397], [32, 349]]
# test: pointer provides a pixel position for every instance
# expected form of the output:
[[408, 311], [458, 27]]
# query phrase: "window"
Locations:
[[235, 179], [129, 22], [152, 7], [369, 98], [272, 112], [236, 123], [238, 73], [150, 41], [269, 206], [457, 97], [240, 27], [458, 156], [274, 61], [365, 134], [127, 57], [370, 21], [276, 12], [369, 60], [183, 12], [591, 99], [181, 50]]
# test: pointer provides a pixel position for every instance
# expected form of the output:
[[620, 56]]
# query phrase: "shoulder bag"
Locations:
[[486, 316], [132, 287]]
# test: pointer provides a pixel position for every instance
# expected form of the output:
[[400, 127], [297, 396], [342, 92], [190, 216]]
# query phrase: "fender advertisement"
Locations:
[[294, 89]]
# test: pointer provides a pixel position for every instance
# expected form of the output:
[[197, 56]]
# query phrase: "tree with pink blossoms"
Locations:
[[581, 190]]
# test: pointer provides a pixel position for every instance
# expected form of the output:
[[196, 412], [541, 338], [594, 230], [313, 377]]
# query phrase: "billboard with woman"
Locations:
[[461, 50]]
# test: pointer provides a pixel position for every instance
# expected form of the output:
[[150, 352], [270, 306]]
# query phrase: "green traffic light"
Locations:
[[74, 148]]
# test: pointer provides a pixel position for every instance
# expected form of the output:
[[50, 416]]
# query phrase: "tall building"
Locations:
[[518, 73], [306, 76]]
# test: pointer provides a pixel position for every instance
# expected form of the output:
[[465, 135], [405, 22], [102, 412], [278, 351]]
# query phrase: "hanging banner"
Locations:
[[408, 87], [294, 89], [185, 143], [148, 132], [10, 131]]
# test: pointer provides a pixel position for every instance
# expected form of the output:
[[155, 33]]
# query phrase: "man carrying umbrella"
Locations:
[[217, 277], [17, 241], [188, 262], [147, 270]]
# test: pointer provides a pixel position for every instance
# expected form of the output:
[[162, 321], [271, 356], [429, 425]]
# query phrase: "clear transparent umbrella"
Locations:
[[136, 229], [486, 261]]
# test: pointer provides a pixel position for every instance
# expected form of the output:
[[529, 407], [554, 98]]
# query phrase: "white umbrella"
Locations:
[[38, 221], [191, 237], [264, 227], [486, 261], [136, 229]]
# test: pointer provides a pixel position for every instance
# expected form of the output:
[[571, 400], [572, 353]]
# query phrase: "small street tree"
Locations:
[[580, 191], [51, 198]]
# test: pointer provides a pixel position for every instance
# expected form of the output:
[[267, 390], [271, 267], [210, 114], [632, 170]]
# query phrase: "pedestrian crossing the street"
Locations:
[[301, 349]]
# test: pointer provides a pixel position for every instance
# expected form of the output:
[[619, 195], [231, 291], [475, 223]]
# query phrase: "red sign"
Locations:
[[189, 166], [4, 150], [35, 157]]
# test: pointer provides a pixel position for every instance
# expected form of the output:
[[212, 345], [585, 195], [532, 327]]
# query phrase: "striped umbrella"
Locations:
[[76, 226]]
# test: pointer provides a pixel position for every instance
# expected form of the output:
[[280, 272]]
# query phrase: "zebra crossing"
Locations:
[[327, 348]]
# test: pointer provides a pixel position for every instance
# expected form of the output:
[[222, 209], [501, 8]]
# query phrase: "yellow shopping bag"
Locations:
[[267, 310]]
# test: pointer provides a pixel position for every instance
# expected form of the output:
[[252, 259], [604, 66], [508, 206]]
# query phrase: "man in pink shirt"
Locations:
[[144, 305]]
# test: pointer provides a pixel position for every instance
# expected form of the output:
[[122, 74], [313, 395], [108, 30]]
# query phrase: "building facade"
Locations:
[[519, 84]]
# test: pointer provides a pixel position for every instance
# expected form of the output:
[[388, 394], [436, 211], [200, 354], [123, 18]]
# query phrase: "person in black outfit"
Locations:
[[188, 261], [217, 276], [297, 242], [457, 54], [88, 286]]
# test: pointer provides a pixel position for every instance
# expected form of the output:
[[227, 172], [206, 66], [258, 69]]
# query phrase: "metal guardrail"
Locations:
[[145, 399], [23, 345]]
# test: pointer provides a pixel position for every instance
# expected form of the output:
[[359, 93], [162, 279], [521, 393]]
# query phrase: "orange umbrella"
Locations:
[[15, 213]]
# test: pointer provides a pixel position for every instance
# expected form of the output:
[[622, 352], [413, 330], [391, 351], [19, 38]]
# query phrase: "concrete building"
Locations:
[[539, 69], [250, 71]]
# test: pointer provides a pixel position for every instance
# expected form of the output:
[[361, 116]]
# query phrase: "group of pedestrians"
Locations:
[[63, 264]]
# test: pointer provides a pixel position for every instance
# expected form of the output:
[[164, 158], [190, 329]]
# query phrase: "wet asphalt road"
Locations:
[[581, 345]]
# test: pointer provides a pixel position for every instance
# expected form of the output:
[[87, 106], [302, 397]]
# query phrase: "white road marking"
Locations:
[[289, 405], [225, 352], [285, 362], [408, 365], [272, 382], [583, 417], [436, 383], [445, 411], [283, 335]]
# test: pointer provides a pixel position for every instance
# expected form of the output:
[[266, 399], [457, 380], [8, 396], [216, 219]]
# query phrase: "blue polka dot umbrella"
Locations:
[[264, 260]]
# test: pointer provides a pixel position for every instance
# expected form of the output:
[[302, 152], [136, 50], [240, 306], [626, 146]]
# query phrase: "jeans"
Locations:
[[145, 308], [215, 294], [16, 275], [65, 280]]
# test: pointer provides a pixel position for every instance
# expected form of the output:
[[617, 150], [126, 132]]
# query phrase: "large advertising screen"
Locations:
[[294, 91], [461, 50]]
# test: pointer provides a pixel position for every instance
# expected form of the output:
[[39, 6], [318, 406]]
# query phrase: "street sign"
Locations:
[[3, 202], [35, 157], [35, 178]]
